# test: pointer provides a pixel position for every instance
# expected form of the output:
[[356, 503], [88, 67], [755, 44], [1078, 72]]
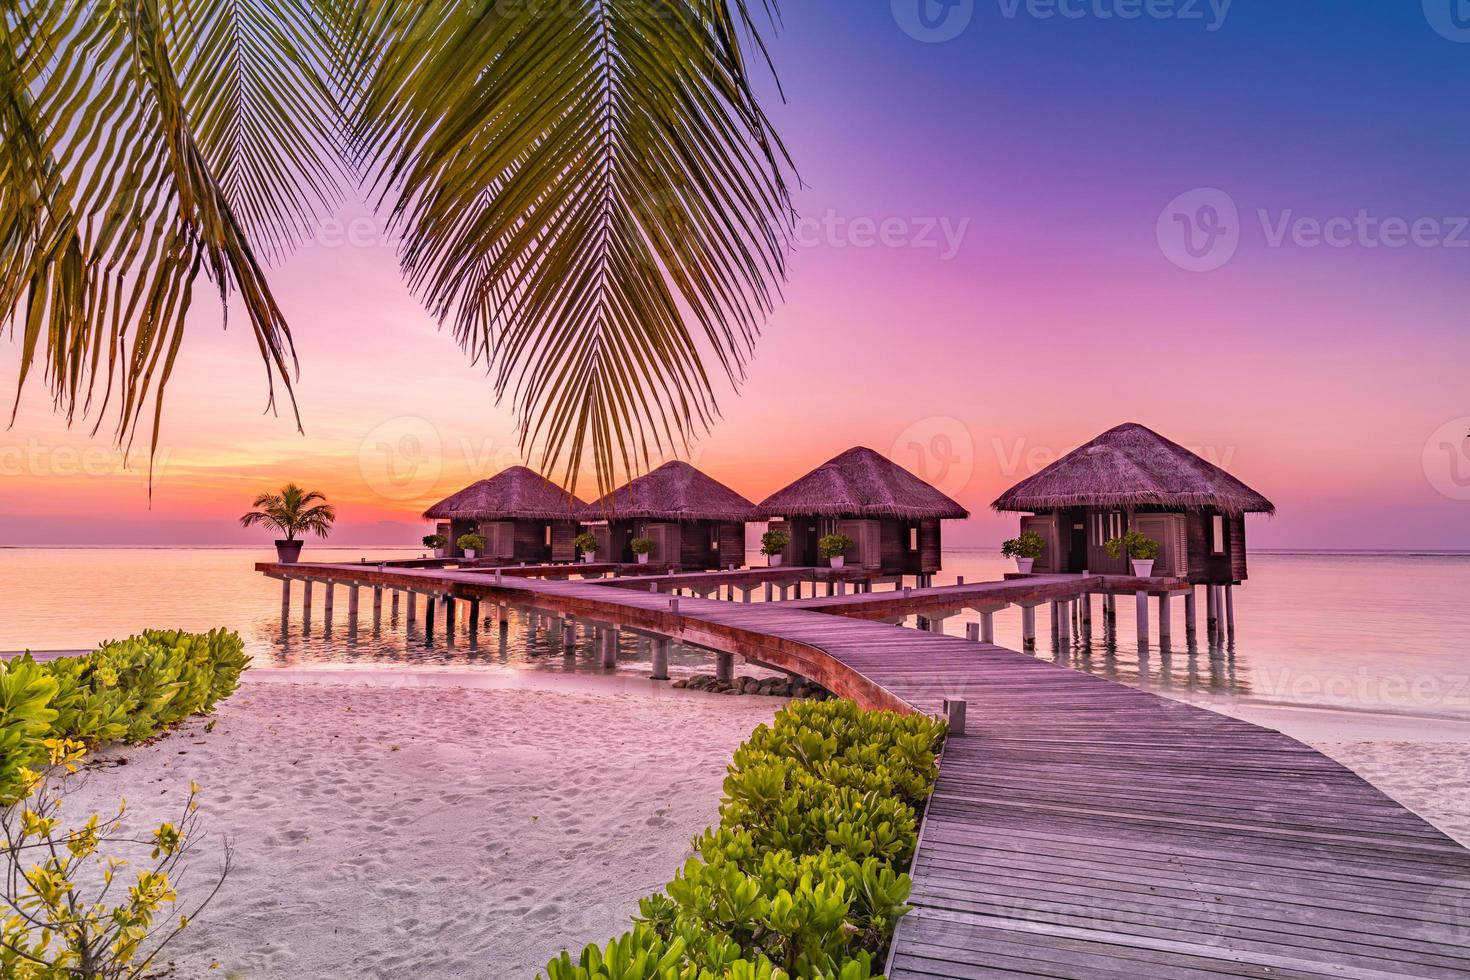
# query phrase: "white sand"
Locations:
[[430, 832], [1422, 761]]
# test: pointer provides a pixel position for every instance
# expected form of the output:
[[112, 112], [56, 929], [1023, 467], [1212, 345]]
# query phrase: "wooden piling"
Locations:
[[1212, 613], [327, 606], [1142, 619], [1166, 625], [610, 637], [1191, 615], [987, 627], [660, 645], [1028, 627], [724, 667], [972, 632], [412, 598], [1230, 612], [306, 603], [285, 599]]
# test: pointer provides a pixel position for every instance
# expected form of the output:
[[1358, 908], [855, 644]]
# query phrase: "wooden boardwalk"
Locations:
[[1084, 829]]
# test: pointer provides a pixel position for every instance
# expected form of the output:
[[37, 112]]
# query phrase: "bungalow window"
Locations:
[[1217, 535], [547, 542], [913, 539]]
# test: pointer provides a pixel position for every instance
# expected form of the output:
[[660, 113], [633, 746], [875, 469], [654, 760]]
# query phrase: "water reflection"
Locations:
[[527, 639]]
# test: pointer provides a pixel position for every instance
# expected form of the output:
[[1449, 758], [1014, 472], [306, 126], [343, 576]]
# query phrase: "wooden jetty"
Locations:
[[1080, 828]]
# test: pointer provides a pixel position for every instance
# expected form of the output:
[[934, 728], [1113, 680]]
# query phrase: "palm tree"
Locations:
[[586, 192], [293, 511]]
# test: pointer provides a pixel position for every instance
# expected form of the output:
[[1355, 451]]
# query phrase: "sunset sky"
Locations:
[[988, 274]]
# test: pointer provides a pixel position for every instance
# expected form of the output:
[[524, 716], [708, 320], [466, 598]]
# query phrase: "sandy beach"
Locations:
[[429, 832]]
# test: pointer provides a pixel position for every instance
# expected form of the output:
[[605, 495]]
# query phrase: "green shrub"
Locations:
[[1133, 545], [1028, 545], [586, 541], [471, 542], [774, 542], [435, 541], [641, 546], [834, 545], [126, 690], [804, 877]]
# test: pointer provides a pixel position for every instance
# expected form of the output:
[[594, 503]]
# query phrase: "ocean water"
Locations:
[[1379, 631]]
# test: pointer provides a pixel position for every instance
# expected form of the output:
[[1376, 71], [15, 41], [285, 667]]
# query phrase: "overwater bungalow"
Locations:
[[1132, 478], [693, 521], [891, 515], [522, 516]]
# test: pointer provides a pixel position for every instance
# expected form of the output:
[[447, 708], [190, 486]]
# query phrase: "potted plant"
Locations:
[[293, 511], [1140, 549], [832, 547], [586, 543], [471, 544], [642, 547], [1025, 549], [773, 543], [438, 542]]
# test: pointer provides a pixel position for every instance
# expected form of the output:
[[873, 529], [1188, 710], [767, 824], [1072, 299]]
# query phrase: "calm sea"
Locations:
[[1373, 631]]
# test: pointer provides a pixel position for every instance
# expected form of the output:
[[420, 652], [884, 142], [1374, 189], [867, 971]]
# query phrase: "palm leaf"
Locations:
[[591, 197]]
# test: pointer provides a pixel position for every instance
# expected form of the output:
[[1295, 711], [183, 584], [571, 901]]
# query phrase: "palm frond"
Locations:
[[591, 197], [142, 170]]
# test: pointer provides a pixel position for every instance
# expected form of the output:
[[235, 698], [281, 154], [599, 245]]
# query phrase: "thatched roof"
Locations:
[[514, 494], [675, 491], [1133, 466], [861, 483]]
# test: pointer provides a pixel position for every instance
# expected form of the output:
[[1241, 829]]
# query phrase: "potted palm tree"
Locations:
[[293, 511], [1140, 549], [471, 544], [773, 544], [833, 548], [642, 547], [586, 543], [1025, 549], [437, 543]]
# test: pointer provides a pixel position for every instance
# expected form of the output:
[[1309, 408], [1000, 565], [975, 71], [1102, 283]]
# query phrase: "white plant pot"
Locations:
[[773, 560], [837, 560], [1143, 567], [1024, 565], [438, 552], [470, 553], [643, 559], [590, 557]]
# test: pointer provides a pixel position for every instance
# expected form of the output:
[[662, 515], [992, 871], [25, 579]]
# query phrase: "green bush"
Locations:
[[774, 542], [804, 877], [126, 690], [641, 546], [471, 542], [1133, 545], [1028, 545], [833, 545], [586, 541], [435, 541]]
